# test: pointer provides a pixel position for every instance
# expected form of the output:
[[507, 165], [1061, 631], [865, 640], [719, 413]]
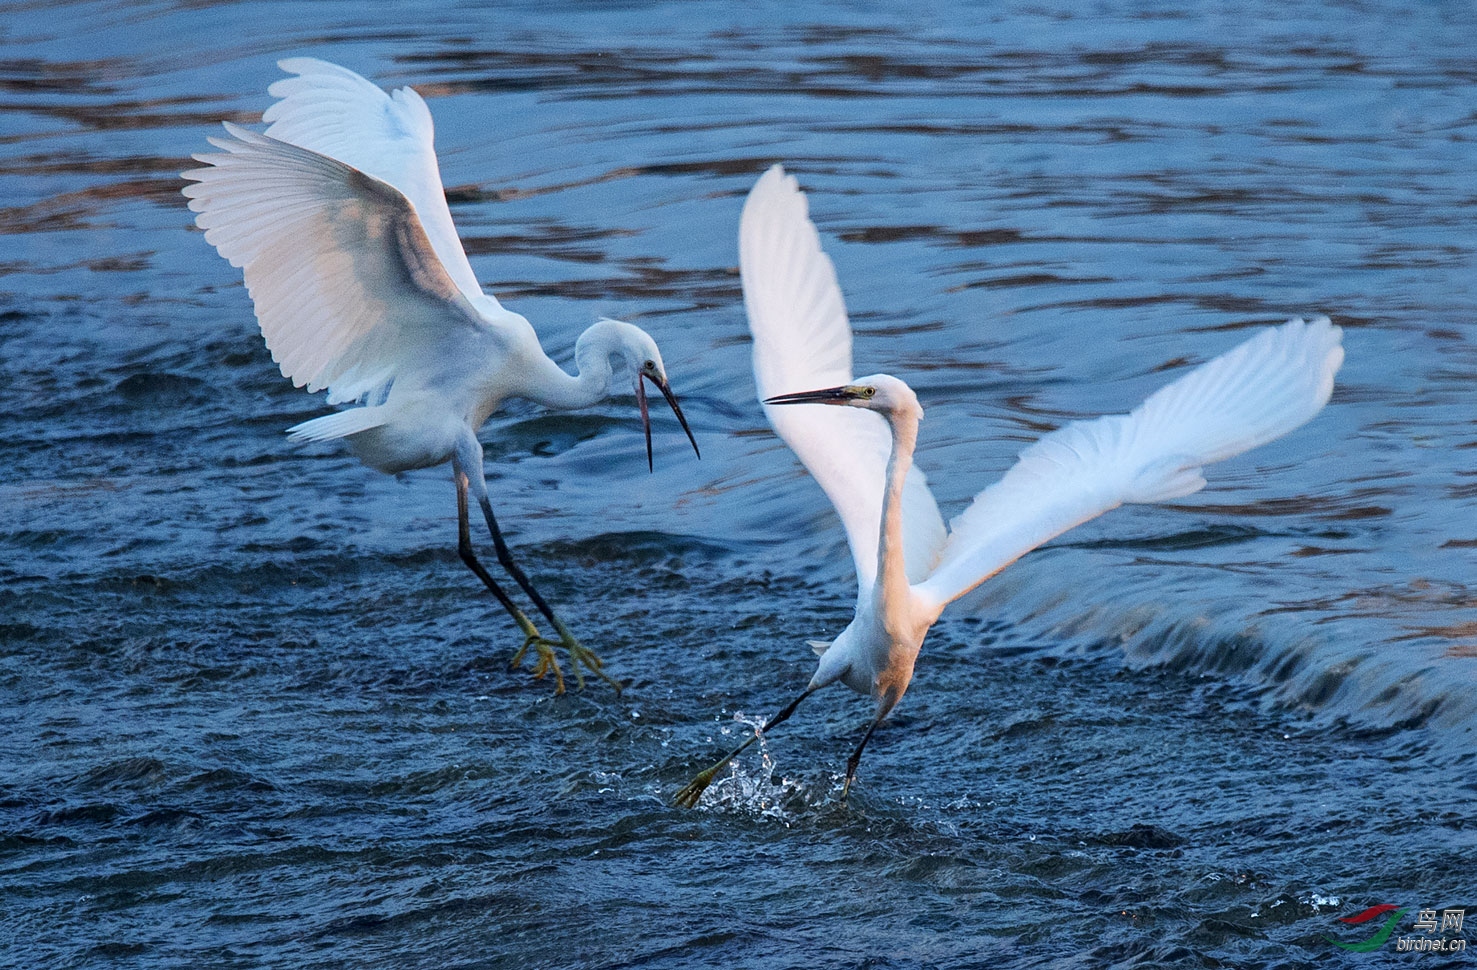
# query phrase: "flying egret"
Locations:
[[860, 451], [337, 218]]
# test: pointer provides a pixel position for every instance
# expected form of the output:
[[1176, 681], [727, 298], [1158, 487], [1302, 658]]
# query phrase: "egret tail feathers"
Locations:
[[338, 425]]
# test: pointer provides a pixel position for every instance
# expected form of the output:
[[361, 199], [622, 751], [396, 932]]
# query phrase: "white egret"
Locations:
[[338, 220], [860, 451]]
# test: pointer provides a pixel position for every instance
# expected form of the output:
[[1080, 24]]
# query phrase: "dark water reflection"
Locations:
[[255, 713]]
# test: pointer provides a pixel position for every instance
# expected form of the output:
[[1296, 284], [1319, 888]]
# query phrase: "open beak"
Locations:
[[666, 390], [829, 395]]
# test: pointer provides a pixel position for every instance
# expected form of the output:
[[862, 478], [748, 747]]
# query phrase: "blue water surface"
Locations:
[[255, 713]]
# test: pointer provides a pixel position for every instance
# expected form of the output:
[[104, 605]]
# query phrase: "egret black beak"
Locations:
[[666, 390], [830, 395]]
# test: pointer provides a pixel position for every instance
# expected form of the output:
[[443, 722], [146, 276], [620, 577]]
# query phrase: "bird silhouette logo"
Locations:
[[1382, 936]]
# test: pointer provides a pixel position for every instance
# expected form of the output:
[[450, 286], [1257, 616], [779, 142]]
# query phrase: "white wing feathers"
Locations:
[[802, 342], [335, 112], [1256, 392], [347, 287], [795, 308]]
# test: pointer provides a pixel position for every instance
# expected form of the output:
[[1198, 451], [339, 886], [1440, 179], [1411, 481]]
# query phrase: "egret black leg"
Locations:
[[855, 759], [579, 654], [505, 558], [547, 661]]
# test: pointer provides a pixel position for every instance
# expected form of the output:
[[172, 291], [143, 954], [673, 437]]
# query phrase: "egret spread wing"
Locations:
[[335, 112], [347, 288], [802, 342], [1254, 393]]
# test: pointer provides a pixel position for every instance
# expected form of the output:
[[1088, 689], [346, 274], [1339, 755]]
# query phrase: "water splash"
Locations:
[[760, 793]]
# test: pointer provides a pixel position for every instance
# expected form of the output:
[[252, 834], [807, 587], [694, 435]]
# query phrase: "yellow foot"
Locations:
[[689, 797], [546, 661], [579, 654]]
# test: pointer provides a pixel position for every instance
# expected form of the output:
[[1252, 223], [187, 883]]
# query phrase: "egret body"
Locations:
[[339, 222], [858, 437]]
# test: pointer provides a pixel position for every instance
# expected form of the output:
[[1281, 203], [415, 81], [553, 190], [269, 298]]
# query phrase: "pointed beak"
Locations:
[[829, 395], [666, 390]]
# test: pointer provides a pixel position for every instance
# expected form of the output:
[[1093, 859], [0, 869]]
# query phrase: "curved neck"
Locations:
[[892, 570], [550, 385]]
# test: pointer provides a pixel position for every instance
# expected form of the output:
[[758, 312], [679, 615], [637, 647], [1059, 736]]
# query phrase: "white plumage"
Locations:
[[339, 223], [335, 112], [861, 451], [802, 339], [1248, 396], [348, 291]]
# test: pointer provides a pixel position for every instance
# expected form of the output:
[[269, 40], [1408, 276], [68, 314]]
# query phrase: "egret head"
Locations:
[[635, 347], [877, 392]]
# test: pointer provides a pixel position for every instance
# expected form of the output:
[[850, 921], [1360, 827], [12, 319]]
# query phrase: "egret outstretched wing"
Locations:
[[802, 341], [1258, 391], [335, 112], [348, 290]]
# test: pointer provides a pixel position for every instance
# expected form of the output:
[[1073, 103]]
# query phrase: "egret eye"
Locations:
[[651, 366], [869, 392]]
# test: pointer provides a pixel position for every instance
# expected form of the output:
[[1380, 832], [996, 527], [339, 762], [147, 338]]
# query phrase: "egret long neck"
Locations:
[[546, 383], [891, 567], [553, 387]]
